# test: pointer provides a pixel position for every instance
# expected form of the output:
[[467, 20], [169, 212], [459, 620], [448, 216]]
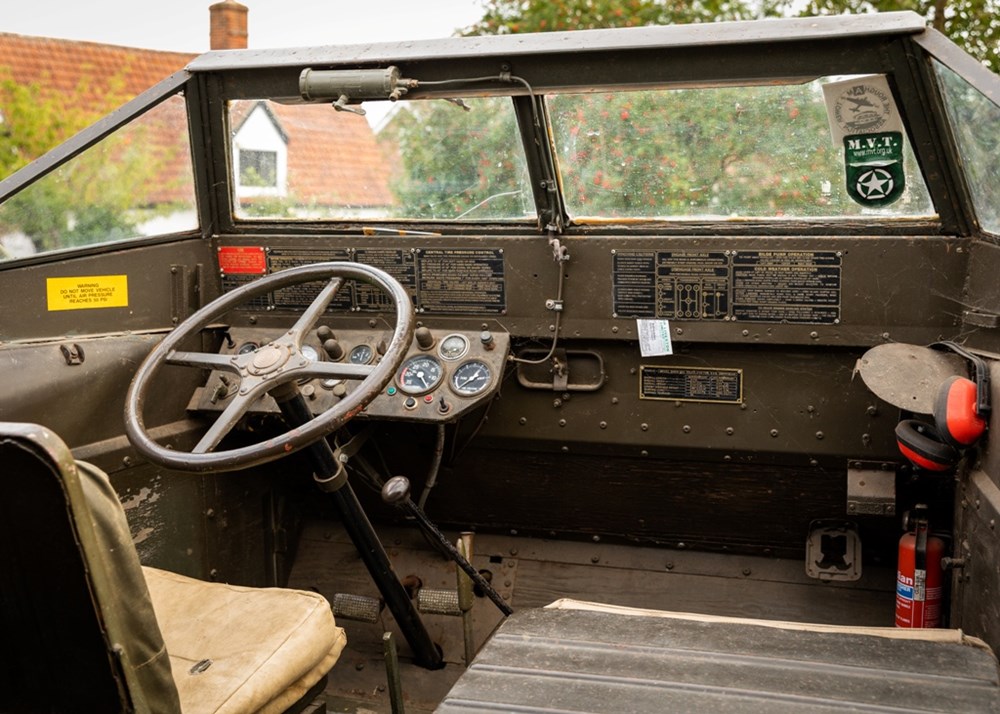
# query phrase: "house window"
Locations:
[[258, 168]]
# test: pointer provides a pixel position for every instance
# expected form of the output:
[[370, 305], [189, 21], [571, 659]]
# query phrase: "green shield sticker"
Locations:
[[874, 165]]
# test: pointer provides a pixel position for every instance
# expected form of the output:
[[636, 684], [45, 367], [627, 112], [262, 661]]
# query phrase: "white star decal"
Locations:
[[875, 183]]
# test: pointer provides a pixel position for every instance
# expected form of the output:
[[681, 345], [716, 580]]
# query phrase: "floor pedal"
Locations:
[[356, 607], [438, 602]]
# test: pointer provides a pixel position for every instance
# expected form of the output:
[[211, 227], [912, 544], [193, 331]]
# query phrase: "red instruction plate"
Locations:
[[242, 260]]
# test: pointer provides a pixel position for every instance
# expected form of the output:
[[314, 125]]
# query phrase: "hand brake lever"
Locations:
[[396, 492]]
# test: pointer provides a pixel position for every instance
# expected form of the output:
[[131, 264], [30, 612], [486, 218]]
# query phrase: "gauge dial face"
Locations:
[[310, 353], [362, 354], [247, 347], [471, 378], [453, 347], [419, 374]]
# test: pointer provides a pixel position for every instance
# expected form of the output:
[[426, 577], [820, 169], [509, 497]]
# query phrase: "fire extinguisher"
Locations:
[[918, 576]]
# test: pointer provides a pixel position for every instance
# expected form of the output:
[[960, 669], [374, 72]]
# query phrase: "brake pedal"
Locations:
[[357, 607], [438, 602]]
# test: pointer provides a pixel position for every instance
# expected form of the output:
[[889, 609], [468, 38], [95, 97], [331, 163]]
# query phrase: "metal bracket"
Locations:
[[871, 489], [978, 318], [185, 291], [565, 371]]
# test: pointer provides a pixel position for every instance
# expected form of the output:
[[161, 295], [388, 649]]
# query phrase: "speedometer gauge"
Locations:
[[471, 378], [419, 374]]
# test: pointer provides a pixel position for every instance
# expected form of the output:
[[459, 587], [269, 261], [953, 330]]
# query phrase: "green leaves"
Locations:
[[972, 24]]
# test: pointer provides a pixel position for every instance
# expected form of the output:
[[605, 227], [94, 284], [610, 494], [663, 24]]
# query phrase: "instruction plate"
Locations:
[[691, 384], [780, 286]]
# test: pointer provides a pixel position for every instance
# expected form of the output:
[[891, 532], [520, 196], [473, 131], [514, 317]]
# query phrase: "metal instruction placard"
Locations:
[[779, 286], [439, 280], [691, 384]]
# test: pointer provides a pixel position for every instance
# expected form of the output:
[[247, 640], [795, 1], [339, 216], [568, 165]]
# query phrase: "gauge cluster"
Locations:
[[445, 374]]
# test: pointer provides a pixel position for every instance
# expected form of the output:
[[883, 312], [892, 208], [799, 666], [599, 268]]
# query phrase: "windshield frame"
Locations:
[[645, 58], [897, 45]]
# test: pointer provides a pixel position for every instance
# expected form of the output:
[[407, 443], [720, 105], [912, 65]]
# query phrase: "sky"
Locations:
[[182, 25]]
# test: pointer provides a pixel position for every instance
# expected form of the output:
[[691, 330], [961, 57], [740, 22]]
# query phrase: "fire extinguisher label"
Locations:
[[920, 585], [904, 586], [916, 604]]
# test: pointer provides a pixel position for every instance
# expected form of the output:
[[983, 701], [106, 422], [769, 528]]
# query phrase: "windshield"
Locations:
[[442, 160], [694, 153], [976, 123], [136, 182], [760, 151]]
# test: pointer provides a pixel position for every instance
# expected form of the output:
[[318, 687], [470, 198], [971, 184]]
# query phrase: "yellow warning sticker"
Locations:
[[91, 291]]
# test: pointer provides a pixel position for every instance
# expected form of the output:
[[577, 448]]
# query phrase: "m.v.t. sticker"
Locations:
[[874, 165], [863, 117]]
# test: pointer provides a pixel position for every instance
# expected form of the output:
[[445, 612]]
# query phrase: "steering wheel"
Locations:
[[278, 364]]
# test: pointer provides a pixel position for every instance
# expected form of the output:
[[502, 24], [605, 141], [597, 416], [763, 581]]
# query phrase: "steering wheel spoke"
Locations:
[[313, 312], [231, 415], [335, 370], [202, 360]]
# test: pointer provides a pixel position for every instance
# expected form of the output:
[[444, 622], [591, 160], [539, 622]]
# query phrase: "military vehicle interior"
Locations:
[[632, 309]]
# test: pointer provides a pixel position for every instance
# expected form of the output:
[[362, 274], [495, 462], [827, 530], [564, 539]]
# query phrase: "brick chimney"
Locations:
[[228, 25]]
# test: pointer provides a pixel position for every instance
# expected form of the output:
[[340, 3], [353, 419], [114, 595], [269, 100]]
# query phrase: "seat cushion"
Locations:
[[583, 657], [236, 649]]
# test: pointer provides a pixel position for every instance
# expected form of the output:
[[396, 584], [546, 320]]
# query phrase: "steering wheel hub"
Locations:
[[268, 359]]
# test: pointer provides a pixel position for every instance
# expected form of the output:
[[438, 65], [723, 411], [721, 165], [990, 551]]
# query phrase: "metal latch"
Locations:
[[833, 551], [73, 354]]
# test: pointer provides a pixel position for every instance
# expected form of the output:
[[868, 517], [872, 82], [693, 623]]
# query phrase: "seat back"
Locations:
[[79, 632]]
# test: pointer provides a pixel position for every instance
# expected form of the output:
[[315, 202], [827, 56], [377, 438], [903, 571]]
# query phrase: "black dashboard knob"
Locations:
[[425, 338], [333, 349]]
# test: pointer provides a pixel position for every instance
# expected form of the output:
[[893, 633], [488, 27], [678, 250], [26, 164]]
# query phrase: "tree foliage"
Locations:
[[732, 151], [512, 16], [972, 24], [458, 161], [90, 198]]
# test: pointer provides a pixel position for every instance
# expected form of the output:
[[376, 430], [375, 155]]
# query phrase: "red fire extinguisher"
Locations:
[[918, 577]]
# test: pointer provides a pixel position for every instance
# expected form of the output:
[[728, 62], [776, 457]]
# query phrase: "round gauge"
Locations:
[[362, 354], [419, 374], [471, 378], [247, 347], [453, 347], [310, 353]]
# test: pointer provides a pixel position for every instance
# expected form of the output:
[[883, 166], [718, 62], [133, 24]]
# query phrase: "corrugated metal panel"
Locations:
[[579, 661]]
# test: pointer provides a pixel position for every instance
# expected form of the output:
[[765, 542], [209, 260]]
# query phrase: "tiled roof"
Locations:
[[332, 162], [333, 158], [60, 65]]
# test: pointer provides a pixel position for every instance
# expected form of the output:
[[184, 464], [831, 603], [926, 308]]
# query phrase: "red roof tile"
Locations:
[[332, 161], [61, 65]]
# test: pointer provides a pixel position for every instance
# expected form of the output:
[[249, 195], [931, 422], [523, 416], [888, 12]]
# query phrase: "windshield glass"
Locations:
[[976, 123], [442, 160], [761, 151], [134, 183]]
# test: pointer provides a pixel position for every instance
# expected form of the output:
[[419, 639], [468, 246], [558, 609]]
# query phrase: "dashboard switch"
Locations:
[[425, 338], [333, 349]]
